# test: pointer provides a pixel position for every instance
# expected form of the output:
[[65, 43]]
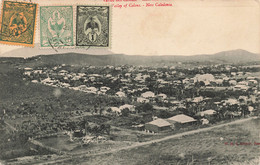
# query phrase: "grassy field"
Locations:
[[204, 148]]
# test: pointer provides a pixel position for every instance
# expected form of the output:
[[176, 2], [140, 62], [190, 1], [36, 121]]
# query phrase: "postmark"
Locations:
[[18, 23], [92, 26], [56, 26]]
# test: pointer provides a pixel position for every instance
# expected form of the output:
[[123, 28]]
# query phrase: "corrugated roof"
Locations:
[[160, 123], [182, 118]]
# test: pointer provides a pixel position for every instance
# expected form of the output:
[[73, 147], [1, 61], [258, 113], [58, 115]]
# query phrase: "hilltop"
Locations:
[[225, 57]]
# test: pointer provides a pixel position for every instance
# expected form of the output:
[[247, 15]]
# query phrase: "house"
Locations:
[[158, 125], [128, 75], [204, 77], [233, 73], [204, 121], [250, 108], [240, 88], [78, 133], [115, 110], [120, 94], [139, 127], [34, 81], [142, 100], [232, 82], [37, 71], [65, 85], [104, 89], [148, 94], [186, 81], [175, 102], [48, 81], [219, 81], [63, 72], [81, 88], [240, 73], [108, 76], [162, 96], [131, 108], [252, 82], [91, 90], [231, 101], [242, 83], [197, 99], [27, 73], [243, 99], [209, 112], [181, 120], [251, 78], [161, 81]]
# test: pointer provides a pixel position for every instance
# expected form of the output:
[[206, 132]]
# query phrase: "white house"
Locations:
[[232, 82], [207, 112], [204, 77], [131, 108], [104, 89], [142, 100], [162, 96], [240, 87], [120, 94], [115, 110], [91, 90], [148, 94], [181, 119]]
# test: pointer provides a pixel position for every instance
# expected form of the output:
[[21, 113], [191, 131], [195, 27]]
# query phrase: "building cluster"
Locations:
[[201, 93]]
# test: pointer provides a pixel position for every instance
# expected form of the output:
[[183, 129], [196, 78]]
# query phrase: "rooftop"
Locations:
[[182, 119]]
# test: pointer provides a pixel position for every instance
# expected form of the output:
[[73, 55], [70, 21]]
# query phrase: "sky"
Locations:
[[188, 27]]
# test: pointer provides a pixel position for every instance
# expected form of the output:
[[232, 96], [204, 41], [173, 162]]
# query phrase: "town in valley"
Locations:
[[53, 110]]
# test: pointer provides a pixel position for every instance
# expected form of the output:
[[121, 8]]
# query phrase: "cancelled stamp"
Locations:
[[18, 23], [92, 26], [56, 26]]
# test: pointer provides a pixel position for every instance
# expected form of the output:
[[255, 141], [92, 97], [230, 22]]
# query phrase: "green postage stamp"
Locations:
[[56, 26]]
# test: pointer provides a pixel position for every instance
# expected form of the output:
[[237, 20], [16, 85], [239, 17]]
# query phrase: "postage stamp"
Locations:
[[56, 26], [92, 26], [18, 23]]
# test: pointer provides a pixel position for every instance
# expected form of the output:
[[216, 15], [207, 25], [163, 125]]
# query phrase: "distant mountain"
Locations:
[[37, 50], [233, 56]]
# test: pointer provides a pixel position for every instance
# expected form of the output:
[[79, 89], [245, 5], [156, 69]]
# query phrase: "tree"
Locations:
[[107, 128], [144, 107], [201, 83], [125, 112]]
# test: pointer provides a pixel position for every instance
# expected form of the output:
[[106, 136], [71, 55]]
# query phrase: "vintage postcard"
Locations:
[[92, 26], [137, 82], [56, 26], [18, 23]]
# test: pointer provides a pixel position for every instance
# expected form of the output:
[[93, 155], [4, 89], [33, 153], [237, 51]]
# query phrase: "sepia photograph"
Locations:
[[130, 82]]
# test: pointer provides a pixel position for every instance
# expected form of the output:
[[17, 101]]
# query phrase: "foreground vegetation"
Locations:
[[211, 147]]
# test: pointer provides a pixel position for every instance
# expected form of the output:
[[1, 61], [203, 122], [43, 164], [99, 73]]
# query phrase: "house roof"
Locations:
[[120, 94], [28, 68], [160, 123], [208, 112], [181, 119], [126, 106], [115, 109], [162, 95], [232, 101], [148, 94]]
